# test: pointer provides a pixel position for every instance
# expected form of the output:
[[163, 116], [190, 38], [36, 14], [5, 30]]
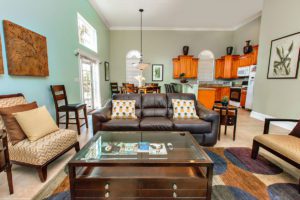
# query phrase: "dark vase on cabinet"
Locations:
[[229, 51], [248, 48]]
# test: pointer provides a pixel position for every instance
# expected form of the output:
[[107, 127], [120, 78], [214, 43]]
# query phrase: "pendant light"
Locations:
[[142, 65]]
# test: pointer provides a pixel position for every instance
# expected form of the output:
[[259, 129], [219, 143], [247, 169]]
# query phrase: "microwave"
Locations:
[[243, 71]]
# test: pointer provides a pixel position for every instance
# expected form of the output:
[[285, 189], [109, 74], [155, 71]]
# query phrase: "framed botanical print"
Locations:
[[107, 72], [157, 72], [284, 57]]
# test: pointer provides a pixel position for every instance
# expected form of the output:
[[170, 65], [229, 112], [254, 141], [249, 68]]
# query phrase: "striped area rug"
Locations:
[[236, 177]]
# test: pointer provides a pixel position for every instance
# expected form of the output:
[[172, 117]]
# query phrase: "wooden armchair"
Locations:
[[286, 147], [40, 153]]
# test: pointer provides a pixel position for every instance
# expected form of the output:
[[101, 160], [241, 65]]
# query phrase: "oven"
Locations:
[[235, 94]]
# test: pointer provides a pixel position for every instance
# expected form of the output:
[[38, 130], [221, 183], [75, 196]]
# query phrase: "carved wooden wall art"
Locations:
[[1, 59], [26, 51]]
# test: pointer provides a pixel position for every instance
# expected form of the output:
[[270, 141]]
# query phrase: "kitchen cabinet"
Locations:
[[220, 92], [207, 97], [243, 97], [249, 59], [187, 65], [226, 67]]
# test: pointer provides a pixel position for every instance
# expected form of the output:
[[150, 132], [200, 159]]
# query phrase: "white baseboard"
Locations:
[[262, 117]]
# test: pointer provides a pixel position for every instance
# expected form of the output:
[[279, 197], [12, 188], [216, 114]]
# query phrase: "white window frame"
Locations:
[[91, 42]]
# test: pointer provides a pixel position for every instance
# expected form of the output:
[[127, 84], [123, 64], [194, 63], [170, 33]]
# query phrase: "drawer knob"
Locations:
[[107, 195], [174, 195], [106, 186], [175, 187]]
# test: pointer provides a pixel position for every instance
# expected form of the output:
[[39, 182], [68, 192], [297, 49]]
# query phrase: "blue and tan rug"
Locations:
[[236, 177]]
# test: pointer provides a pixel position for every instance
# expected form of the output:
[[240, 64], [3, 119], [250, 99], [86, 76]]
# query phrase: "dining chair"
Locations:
[[129, 88], [62, 105], [114, 88]]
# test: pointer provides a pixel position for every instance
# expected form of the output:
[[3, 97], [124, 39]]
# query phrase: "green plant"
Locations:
[[225, 99], [182, 75]]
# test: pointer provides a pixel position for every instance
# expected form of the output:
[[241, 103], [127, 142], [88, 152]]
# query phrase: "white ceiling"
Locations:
[[178, 14]]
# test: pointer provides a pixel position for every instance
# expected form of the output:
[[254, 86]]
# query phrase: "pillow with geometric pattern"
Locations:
[[123, 109], [184, 109]]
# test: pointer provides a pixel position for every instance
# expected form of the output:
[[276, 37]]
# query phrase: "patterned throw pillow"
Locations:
[[184, 109], [123, 109]]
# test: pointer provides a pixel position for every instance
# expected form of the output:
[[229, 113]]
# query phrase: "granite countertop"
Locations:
[[212, 86], [206, 88]]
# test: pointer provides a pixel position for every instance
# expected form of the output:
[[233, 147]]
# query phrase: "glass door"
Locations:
[[89, 83]]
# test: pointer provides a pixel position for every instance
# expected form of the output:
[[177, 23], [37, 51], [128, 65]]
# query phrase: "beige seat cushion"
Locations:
[[44, 149], [287, 145], [36, 123]]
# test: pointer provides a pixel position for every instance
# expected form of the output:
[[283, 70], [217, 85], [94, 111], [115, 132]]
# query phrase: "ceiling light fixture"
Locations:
[[141, 64]]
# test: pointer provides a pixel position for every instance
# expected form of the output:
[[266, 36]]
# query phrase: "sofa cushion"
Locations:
[[184, 109], [296, 131], [154, 105], [287, 145], [181, 96], [123, 109], [194, 126], [14, 131], [156, 124], [44, 149], [121, 125], [136, 97]]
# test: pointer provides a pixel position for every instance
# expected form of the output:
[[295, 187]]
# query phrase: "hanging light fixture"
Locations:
[[141, 64]]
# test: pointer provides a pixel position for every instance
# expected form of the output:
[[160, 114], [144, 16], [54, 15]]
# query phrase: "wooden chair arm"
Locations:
[[269, 120]]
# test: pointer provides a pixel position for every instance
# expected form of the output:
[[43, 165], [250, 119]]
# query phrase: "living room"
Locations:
[[196, 85]]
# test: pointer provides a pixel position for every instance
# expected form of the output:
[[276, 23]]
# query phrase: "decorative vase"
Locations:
[[183, 81], [229, 50], [186, 50], [248, 48], [224, 103]]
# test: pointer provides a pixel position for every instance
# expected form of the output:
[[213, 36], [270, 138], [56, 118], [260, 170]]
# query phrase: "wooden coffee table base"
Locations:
[[129, 182]]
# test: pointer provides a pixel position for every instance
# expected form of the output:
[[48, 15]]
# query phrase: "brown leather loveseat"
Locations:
[[155, 113]]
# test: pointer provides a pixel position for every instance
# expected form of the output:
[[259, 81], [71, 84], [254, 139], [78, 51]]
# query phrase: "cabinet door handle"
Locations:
[[106, 186], [175, 187], [107, 195], [174, 195]]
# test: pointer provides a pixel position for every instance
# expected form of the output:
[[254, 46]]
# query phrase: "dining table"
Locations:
[[142, 89]]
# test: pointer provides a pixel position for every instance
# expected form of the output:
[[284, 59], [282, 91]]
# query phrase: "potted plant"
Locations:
[[225, 101], [182, 78]]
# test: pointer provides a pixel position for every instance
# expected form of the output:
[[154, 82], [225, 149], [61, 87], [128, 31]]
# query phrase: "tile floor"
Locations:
[[28, 186]]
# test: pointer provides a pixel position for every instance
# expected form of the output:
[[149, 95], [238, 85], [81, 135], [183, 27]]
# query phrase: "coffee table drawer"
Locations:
[[172, 193], [174, 184]]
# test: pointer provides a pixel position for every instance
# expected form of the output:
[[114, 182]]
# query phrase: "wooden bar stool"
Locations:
[[4, 160], [59, 95]]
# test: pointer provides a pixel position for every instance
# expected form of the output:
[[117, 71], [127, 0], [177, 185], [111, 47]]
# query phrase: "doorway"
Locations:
[[89, 83]]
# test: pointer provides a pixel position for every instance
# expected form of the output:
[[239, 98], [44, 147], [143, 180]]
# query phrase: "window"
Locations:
[[132, 60], [206, 66], [87, 34]]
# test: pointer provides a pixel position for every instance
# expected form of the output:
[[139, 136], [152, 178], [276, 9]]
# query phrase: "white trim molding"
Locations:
[[262, 117]]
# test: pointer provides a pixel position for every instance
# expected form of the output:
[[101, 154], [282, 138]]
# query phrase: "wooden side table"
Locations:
[[4, 160], [228, 117]]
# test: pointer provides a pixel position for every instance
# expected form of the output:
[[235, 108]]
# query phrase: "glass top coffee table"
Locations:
[[152, 164]]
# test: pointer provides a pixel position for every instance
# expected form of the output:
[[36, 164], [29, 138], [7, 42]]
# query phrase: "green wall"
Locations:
[[161, 46], [278, 98], [248, 32], [57, 20]]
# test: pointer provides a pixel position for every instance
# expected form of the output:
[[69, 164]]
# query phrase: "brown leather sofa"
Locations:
[[155, 113]]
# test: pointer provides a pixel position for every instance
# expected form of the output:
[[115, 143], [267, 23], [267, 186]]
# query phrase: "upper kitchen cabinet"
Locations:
[[226, 67], [249, 59], [187, 65]]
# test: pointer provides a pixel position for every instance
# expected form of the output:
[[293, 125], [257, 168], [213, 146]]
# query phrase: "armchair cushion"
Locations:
[[287, 145], [14, 131], [195, 126], [296, 131], [44, 149]]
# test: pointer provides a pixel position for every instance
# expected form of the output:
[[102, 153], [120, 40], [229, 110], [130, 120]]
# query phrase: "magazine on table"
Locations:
[[119, 148]]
